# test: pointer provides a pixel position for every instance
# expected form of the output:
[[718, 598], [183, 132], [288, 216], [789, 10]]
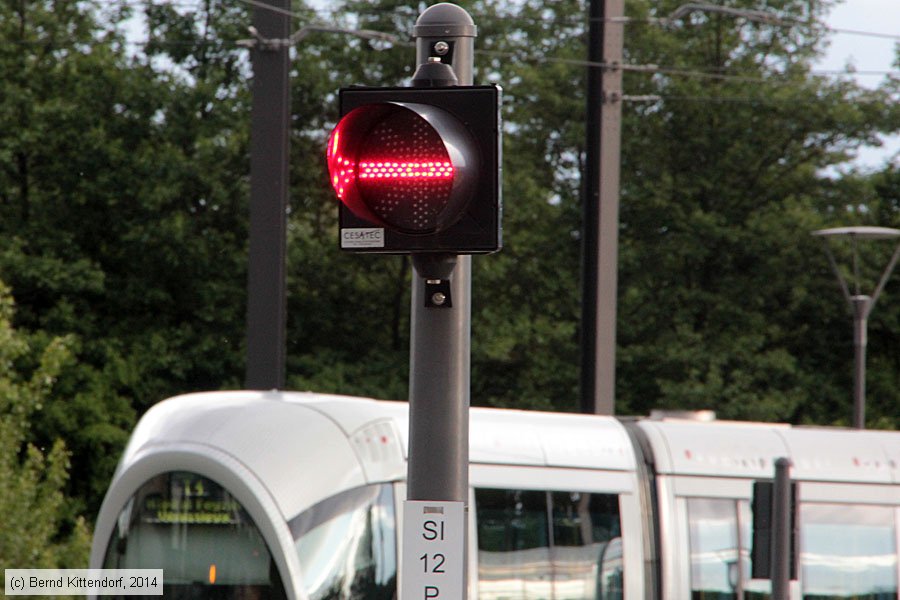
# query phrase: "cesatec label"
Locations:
[[362, 237], [433, 557]]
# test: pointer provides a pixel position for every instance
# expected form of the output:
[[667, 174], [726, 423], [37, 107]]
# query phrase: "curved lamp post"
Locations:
[[860, 304]]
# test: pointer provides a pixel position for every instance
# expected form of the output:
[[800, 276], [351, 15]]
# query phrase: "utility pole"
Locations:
[[600, 237], [269, 182]]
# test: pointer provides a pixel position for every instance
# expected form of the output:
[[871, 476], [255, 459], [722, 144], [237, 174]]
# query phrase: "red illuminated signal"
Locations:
[[408, 165], [391, 166]]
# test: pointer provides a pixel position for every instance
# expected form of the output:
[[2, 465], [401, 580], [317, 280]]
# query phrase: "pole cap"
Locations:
[[445, 20]]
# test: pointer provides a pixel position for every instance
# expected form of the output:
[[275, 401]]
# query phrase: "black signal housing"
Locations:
[[417, 170]]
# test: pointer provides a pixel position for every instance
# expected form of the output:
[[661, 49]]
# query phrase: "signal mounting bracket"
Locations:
[[437, 293]]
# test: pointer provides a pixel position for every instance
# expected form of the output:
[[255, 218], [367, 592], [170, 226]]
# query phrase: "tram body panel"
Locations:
[[852, 456], [273, 438], [718, 449], [504, 436], [189, 417]]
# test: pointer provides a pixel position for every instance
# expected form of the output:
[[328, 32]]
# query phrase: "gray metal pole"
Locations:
[[440, 337], [781, 530], [439, 367], [269, 155], [861, 307], [601, 210]]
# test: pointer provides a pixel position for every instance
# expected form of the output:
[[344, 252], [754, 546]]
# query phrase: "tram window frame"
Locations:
[[195, 508], [541, 534]]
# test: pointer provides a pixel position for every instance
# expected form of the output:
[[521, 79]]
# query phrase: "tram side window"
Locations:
[[539, 544], [848, 551], [720, 550], [202, 538], [347, 545]]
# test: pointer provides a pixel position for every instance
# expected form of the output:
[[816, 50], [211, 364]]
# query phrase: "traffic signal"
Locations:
[[417, 170]]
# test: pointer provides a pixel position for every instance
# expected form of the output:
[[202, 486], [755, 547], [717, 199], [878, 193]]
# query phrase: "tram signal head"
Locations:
[[417, 170]]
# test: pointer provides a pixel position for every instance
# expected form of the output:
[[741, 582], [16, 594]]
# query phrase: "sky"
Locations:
[[866, 53]]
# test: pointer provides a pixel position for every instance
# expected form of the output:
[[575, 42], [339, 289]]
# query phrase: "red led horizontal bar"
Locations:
[[406, 170]]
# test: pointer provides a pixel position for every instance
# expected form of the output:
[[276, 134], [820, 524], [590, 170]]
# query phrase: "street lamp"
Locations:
[[860, 304], [760, 16]]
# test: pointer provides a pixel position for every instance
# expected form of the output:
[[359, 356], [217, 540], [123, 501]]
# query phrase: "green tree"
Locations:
[[722, 288], [41, 529], [123, 213]]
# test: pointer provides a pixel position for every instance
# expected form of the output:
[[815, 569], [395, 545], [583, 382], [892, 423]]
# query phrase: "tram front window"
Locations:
[[202, 538]]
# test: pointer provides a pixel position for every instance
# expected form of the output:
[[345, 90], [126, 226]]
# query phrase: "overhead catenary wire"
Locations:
[[769, 19], [715, 74], [693, 72], [712, 74]]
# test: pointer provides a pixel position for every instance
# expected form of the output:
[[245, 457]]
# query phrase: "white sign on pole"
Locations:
[[433, 550]]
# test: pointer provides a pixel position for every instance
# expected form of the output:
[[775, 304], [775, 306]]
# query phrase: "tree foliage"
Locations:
[[122, 209], [41, 527]]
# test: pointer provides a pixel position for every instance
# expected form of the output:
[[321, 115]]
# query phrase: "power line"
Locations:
[[679, 71], [274, 9], [647, 68], [712, 74], [507, 18], [889, 36]]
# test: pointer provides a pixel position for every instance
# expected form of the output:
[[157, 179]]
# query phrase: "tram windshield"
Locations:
[[202, 538]]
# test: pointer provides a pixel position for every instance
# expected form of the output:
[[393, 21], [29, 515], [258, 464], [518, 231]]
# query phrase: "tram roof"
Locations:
[[749, 450]]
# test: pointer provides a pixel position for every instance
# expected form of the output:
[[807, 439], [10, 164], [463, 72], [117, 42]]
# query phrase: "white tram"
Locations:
[[298, 495]]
